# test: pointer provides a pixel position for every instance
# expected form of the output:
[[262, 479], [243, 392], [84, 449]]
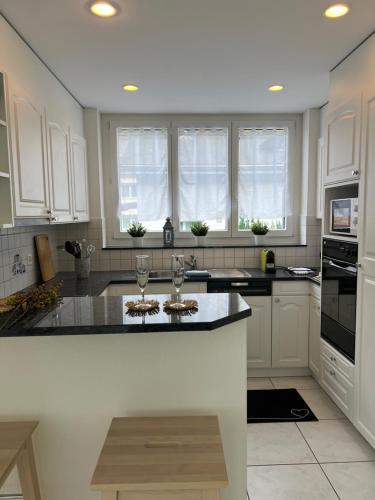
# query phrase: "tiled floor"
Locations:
[[321, 460]]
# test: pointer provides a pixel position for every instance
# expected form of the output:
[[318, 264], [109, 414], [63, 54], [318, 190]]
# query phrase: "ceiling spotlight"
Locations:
[[130, 87], [276, 88], [336, 10], [103, 8]]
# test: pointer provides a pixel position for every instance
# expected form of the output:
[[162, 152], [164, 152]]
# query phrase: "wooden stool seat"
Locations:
[[16, 449], [161, 458]]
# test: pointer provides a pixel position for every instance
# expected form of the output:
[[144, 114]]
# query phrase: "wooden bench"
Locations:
[[16, 449], [161, 458]]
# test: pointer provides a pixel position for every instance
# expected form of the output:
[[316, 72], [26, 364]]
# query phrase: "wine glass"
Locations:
[[178, 272], [142, 271]]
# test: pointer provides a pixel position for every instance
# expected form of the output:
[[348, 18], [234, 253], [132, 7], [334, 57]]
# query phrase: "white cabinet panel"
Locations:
[[314, 337], [339, 388], [290, 331], [29, 158], [366, 243], [259, 331], [79, 178], [319, 178], [343, 142], [364, 363], [59, 173]]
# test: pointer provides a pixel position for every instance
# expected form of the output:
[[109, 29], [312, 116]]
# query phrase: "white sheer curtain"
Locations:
[[263, 173], [203, 179], [142, 162]]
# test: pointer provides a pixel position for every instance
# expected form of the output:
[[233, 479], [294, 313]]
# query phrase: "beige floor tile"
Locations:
[[321, 404], [276, 443], [288, 482], [336, 441], [259, 383], [352, 481], [294, 383]]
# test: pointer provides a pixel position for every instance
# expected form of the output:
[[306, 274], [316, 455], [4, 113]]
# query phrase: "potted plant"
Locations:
[[136, 230], [259, 230], [200, 230]]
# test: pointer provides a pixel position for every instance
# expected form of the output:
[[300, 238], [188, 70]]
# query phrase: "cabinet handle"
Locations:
[[333, 359], [355, 173], [277, 301], [75, 218], [332, 373]]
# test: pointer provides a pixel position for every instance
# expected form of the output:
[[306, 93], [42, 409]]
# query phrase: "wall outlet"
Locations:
[[18, 267], [29, 260]]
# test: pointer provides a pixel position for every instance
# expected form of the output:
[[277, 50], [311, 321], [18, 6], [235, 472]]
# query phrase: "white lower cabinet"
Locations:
[[314, 337], [259, 332], [290, 331]]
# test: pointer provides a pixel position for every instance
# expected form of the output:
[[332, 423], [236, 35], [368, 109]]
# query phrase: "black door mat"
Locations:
[[277, 405]]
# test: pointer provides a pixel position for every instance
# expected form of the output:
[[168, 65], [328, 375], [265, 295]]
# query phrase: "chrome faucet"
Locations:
[[193, 264]]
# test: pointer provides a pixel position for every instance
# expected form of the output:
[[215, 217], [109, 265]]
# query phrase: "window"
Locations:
[[263, 177], [203, 177], [142, 166]]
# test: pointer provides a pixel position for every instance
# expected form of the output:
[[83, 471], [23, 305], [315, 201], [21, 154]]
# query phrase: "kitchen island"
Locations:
[[88, 361]]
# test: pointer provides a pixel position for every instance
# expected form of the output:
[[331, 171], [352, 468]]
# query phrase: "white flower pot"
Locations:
[[201, 241], [138, 241], [260, 239]]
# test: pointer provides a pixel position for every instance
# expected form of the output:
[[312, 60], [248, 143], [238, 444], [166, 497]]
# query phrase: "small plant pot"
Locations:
[[260, 239], [137, 241], [82, 268], [201, 241]]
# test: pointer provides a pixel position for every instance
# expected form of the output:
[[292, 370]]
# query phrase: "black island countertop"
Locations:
[[99, 280], [110, 315]]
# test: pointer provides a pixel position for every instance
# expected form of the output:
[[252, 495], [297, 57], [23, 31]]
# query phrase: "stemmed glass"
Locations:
[[143, 272], [178, 272]]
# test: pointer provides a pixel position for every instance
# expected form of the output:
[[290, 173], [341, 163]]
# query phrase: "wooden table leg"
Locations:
[[27, 472], [109, 495]]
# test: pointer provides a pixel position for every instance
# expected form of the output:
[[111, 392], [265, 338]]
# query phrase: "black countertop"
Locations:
[[99, 280], [109, 315]]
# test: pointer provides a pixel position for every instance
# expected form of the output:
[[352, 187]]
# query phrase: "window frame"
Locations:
[[197, 123], [290, 230], [113, 192]]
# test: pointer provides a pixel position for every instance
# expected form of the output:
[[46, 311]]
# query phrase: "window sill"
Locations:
[[160, 247]]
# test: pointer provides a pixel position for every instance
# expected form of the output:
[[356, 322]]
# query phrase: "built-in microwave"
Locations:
[[344, 216]]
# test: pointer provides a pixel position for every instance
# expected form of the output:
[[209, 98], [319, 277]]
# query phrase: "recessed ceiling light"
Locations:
[[336, 10], [102, 8], [276, 88], [130, 87]]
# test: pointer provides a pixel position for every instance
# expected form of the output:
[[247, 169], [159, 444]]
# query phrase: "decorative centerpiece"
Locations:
[[142, 306], [137, 230], [168, 233], [180, 305], [200, 230], [259, 230]]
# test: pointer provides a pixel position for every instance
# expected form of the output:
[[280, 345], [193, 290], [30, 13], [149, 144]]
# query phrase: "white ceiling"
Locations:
[[191, 56]]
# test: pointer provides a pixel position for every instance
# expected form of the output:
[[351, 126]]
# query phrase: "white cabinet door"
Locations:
[[259, 332], [342, 142], [59, 173], [29, 156], [314, 337], [290, 331], [364, 362], [319, 179], [79, 179]]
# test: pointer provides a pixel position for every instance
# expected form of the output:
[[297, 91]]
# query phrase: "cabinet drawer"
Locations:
[[339, 388], [291, 288], [337, 360]]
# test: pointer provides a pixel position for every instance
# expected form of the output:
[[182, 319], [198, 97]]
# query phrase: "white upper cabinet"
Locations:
[[342, 142], [79, 179], [29, 156], [290, 331], [59, 173]]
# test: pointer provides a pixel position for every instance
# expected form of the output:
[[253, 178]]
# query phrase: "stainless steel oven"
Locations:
[[339, 295]]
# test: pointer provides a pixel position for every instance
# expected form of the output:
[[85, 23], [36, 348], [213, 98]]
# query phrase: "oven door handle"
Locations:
[[343, 268]]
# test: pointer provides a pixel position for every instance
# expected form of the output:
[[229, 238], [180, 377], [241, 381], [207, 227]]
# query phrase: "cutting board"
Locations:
[[45, 257]]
